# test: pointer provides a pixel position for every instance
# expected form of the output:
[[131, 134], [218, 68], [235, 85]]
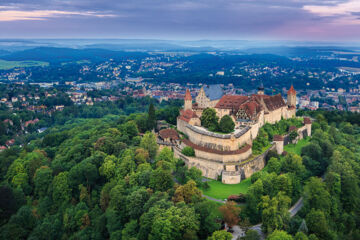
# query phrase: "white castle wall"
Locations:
[[225, 142]]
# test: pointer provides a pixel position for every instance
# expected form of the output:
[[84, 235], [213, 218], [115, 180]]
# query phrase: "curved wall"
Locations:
[[222, 157], [222, 142]]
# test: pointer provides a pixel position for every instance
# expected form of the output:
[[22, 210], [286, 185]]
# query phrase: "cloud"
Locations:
[[235, 19], [16, 15], [344, 8]]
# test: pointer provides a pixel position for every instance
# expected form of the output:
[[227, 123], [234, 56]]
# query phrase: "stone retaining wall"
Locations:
[[222, 142], [249, 168]]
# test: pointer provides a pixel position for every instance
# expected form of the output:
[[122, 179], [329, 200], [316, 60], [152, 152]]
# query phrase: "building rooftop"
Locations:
[[231, 101], [213, 92]]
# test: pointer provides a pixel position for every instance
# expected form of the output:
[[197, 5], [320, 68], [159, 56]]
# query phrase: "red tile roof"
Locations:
[[307, 120], [278, 138], [188, 95], [251, 108], [186, 115], [169, 133], [292, 128], [274, 102], [231, 101], [291, 90]]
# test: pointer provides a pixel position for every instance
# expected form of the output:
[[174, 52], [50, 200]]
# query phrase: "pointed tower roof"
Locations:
[[291, 90], [188, 95], [261, 87]]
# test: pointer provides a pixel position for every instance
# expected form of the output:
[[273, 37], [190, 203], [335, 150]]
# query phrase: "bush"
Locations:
[[293, 135], [226, 125], [241, 198], [188, 151]]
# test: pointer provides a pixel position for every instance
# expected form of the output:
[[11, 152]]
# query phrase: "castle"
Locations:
[[229, 155]]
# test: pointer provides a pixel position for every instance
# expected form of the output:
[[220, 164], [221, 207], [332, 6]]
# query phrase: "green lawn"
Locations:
[[296, 148], [221, 191], [4, 65]]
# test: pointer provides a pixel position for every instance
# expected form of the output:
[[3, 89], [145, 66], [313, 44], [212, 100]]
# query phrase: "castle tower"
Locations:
[[307, 123], [291, 97], [261, 89], [187, 100]]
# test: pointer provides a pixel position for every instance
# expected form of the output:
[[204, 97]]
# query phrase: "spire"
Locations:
[[188, 95], [261, 87], [291, 90]]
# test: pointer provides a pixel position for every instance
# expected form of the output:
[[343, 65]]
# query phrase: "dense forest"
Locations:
[[127, 106], [105, 178], [325, 175]]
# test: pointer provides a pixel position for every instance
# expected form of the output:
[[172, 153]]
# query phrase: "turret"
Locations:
[[307, 123], [187, 100], [279, 143], [291, 97], [261, 89]]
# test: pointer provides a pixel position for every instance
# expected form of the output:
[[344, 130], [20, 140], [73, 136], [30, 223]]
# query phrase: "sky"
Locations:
[[303, 20]]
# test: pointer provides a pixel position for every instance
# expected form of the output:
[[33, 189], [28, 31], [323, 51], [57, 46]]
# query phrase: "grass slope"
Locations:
[[4, 65], [296, 148], [219, 190]]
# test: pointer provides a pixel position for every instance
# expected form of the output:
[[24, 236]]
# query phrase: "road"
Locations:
[[238, 231], [213, 199], [296, 208]]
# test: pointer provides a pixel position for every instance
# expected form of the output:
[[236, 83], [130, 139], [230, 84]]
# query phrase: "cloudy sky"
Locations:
[[337, 20]]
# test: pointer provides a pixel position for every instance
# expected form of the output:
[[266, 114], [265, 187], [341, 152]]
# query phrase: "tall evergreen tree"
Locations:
[[151, 117]]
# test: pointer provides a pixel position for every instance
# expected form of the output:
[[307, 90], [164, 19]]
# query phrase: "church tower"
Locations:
[[187, 100], [291, 97], [261, 89]]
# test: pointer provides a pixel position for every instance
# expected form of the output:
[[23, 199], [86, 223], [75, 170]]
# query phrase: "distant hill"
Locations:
[[301, 51], [57, 55], [3, 52], [152, 47]]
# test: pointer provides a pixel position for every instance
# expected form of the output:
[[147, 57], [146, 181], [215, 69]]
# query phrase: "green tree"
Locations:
[[316, 196], [151, 117], [251, 235], [135, 202], [61, 191], [209, 119], [161, 180], [108, 167], [130, 230], [220, 235], [188, 151], [42, 180], [293, 135], [177, 222], [279, 235], [226, 124], [127, 165], [274, 165], [194, 174], [293, 163], [141, 156], [317, 224], [148, 142], [300, 236], [275, 213], [253, 198], [166, 155], [207, 218], [85, 173], [187, 193]]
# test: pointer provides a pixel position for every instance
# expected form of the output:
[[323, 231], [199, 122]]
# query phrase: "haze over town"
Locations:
[[180, 119]]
